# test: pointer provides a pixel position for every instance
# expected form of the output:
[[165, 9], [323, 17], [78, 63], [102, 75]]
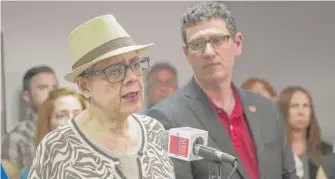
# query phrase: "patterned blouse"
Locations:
[[66, 153], [18, 146]]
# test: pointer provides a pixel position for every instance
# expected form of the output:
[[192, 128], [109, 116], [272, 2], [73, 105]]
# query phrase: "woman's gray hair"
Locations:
[[88, 70], [205, 11]]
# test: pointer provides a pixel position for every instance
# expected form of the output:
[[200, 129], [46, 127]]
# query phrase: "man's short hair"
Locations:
[[158, 67], [205, 11], [33, 72]]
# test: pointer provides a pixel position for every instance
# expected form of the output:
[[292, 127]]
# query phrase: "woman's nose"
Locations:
[[130, 77]]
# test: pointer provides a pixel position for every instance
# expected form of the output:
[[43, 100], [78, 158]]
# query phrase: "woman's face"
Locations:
[[299, 111], [65, 108], [119, 91], [259, 89]]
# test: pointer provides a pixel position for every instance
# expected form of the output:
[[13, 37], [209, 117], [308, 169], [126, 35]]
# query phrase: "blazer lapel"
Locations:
[[208, 117], [253, 119]]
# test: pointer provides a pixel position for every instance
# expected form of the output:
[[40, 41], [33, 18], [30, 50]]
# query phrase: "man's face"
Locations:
[[40, 86], [164, 83], [213, 61]]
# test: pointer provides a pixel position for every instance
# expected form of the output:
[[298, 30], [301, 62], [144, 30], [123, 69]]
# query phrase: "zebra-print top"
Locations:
[[65, 154]]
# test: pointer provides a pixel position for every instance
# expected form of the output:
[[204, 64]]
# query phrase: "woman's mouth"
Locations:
[[132, 96]]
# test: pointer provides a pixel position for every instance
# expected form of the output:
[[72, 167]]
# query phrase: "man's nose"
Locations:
[[209, 50]]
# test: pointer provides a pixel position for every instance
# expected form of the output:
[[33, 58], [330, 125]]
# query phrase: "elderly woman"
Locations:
[[61, 105], [107, 140]]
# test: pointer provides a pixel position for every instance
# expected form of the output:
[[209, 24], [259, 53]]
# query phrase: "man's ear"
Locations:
[[26, 96], [238, 43], [185, 49]]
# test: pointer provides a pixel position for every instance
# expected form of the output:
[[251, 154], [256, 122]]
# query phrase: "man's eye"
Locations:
[[216, 40], [219, 40], [197, 44]]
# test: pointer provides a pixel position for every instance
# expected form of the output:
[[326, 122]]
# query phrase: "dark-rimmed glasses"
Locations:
[[215, 41], [117, 73]]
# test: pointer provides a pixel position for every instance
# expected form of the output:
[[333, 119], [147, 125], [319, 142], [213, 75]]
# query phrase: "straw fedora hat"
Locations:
[[97, 39]]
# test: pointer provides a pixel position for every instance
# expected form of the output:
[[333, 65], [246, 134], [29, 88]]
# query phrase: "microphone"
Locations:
[[190, 144], [210, 153]]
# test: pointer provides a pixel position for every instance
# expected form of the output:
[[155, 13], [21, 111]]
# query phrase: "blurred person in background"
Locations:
[[18, 146], [260, 86], [297, 109], [62, 104], [161, 82], [107, 140]]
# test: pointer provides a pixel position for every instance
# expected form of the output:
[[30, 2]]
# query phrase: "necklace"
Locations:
[[122, 149], [121, 164], [126, 145]]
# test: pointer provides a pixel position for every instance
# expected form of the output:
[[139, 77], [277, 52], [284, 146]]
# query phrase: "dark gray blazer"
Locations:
[[328, 165], [189, 106]]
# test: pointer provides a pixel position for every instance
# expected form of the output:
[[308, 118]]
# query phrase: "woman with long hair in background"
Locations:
[[61, 105], [296, 107]]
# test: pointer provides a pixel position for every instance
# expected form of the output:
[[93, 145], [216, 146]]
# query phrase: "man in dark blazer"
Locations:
[[239, 123]]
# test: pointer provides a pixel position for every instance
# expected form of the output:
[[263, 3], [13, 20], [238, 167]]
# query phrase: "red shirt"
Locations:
[[240, 136]]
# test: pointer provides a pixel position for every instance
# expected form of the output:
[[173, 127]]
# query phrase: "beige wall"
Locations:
[[286, 42]]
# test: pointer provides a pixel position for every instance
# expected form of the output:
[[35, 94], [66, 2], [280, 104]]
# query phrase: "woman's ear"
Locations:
[[83, 85]]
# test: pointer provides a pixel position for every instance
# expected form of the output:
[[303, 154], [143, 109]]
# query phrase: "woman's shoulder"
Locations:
[[148, 121], [62, 133]]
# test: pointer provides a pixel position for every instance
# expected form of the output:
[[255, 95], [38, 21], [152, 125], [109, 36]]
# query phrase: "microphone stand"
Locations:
[[215, 170]]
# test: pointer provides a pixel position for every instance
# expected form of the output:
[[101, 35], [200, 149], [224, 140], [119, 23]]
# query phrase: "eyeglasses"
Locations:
[[216, 41], [117, 73]]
